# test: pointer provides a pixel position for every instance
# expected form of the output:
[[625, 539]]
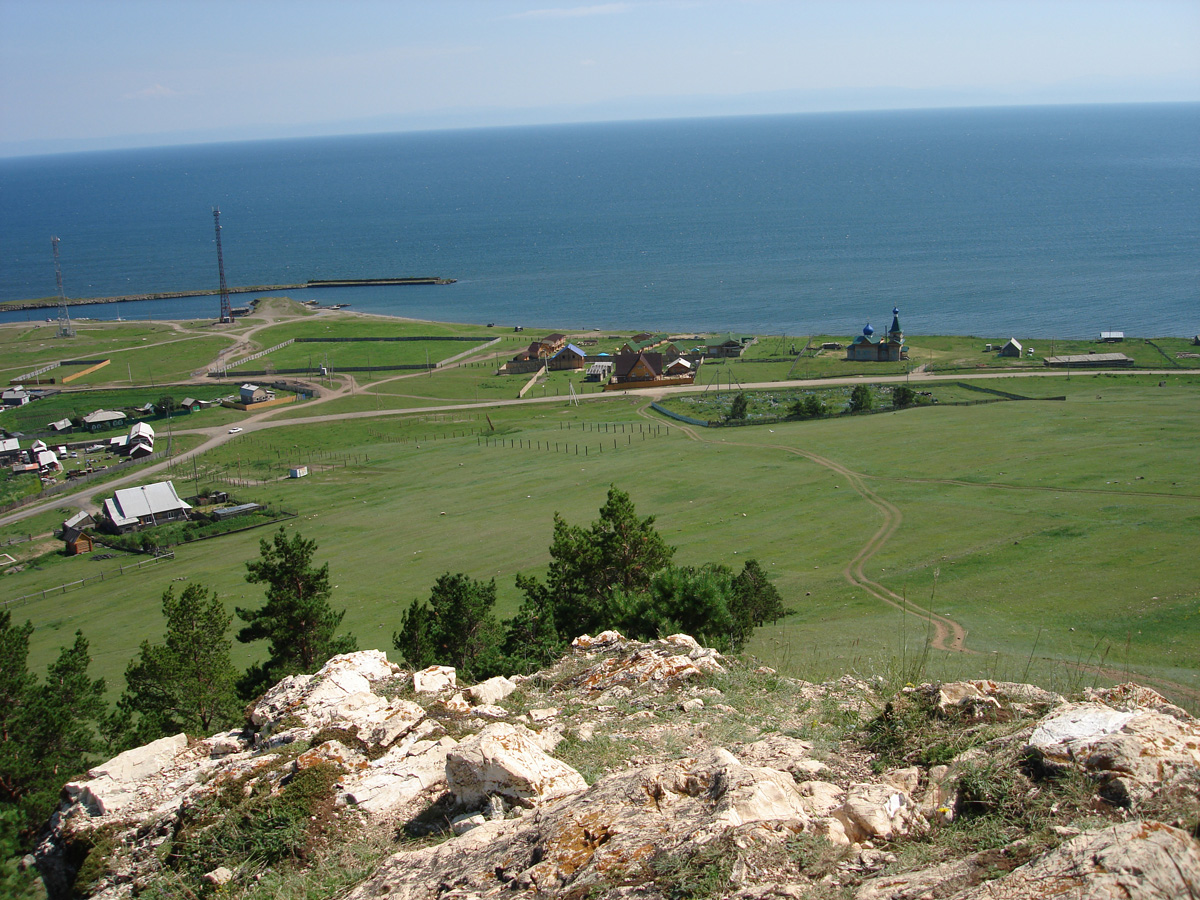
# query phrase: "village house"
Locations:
[[888, 348], [47, 462], [140, 441], [644, 341], [151, 504], [10, 450], [61, 425], [15, 397], [252, 393], [569, 357], [103, 418], [628, 367], [727, 345], [190, 405], [679, 366]]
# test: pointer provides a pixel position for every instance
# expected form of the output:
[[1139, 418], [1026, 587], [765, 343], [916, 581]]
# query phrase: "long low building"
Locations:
[[151, 504], [1090, 360]]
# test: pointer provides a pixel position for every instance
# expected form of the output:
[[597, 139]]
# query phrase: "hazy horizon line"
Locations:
[[477, 120]]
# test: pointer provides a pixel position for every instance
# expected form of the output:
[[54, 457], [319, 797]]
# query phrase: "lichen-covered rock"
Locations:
[[506, 760], [1133, 861], [1133, 752], [612, 831], [114, 785]]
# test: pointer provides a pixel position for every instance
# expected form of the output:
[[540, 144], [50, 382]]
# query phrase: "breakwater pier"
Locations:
[[51, 302]]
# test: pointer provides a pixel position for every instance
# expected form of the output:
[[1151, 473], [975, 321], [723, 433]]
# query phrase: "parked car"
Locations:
[[235, 429]]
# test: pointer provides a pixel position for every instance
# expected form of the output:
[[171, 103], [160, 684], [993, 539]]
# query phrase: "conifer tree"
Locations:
[[297, 621], [187, 682]]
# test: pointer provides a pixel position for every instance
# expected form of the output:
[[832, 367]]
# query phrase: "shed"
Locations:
[[1012, 349], [77, 540], [598, 371], [190, 404], [297, 471], [60, 425], [1111, 337], [230, 512]]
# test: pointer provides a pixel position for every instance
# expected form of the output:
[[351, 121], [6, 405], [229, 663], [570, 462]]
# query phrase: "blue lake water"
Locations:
[[1033, 222]]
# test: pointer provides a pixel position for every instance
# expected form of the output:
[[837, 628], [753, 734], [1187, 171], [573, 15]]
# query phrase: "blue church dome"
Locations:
[[868, 331]]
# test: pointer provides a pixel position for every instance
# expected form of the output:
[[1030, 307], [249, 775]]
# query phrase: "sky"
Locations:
[[93, 74]]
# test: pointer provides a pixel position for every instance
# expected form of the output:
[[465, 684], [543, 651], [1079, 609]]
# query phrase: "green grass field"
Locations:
[[1058, 534], [1061, 535]]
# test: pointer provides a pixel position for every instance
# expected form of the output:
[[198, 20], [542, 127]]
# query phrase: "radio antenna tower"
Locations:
[[65, 328], [226, 310]]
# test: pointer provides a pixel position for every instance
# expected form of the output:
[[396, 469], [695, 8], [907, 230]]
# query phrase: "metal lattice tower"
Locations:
[[226, 309], [65, 328]]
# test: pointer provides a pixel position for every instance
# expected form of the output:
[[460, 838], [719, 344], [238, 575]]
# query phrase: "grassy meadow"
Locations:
[[1061, 535]]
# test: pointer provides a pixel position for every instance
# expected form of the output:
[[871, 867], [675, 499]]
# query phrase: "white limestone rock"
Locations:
[[505, 759], [492, 691], [434, 679], [116, 784]]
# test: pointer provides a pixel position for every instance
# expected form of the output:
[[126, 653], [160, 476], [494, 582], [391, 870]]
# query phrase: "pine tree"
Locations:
[[456, 628], [619, 552], [297, 621], [187, 682]]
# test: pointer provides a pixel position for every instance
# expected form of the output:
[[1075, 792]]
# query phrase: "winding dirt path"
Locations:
[[948, 634]]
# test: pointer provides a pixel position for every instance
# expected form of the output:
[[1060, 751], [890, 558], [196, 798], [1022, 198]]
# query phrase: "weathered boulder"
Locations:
[[400, 776], [505, 759], [1134, 753], [661, 664], [878, 811], [492, 691], [434, 679], [114, 785], [1134, 860], [339, 693]]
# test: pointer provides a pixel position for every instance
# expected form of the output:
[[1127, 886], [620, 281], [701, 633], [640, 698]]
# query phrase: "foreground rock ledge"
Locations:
[[703, 771]]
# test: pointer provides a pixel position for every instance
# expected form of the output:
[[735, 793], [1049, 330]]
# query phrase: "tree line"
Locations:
[[616, 573]]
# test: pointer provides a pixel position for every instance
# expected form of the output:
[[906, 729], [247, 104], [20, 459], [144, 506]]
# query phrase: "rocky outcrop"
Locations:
[[1136, 861], [1134, 751], [506, 761], [635, 769]]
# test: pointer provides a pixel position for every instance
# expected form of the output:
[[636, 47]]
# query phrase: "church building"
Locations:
[[886, 348]]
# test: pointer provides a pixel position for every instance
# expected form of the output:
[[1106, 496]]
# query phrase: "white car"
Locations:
[[235, 430]]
